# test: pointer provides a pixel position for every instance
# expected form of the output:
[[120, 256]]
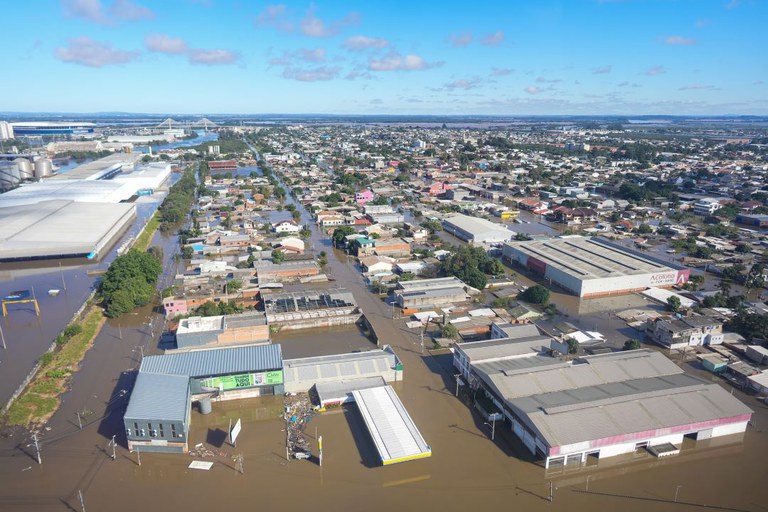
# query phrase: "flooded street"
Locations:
[[466, 471]]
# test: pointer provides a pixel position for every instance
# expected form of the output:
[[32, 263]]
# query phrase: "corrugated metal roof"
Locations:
[[158, 396], [223, 361], [393, 432]]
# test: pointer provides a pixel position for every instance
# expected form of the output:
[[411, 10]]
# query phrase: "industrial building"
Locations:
[[390, 426], [25, 128], [422, 293], [601, 406], [158, 414], [285, 272], [476, 231], [307, 309], [102, 168], [61, 229], [211, 331], [594, 267], [302, 374]]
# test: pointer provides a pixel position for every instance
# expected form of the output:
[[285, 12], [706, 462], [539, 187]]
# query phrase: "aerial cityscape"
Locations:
[[340, 256]]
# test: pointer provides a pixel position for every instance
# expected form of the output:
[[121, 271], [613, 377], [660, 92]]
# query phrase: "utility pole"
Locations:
[[37, 448], [120, 330], [320, 449], [677, 490], [138, 454], [114, 455], [63, 282], [82, 503], [493, 428], [2, 337], [79, 421], [551, 492]]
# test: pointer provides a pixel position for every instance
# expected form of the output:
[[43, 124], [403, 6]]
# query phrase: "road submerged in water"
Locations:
[[467, 469]]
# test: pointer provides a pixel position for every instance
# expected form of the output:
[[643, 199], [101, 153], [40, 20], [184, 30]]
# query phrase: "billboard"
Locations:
[[673, 277], [244, 380]]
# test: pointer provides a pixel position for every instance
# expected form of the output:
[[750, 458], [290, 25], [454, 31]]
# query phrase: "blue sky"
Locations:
[[687, 57]]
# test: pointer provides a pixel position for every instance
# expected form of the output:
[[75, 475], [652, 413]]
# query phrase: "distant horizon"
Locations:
[[351, 114], [543, 58]]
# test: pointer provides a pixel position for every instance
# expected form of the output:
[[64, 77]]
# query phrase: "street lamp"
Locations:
[[493, 426]]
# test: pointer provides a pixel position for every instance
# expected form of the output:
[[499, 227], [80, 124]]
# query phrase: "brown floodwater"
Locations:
[[466, 471]]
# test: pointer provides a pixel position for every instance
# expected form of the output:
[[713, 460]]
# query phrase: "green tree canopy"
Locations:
[[535, 294]]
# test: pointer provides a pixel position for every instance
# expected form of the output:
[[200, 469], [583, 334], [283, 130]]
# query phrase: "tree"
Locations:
[[340, 234], [536, 294], [233, 285], [744, 248], [433, 226], [129, 282], [644, 229], [573, 346], [278, 256], [449, 331], [755, 277], [674, 304], [632, 344], [296, 214]]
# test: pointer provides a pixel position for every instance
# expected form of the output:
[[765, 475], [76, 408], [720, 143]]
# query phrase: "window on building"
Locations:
[[162, 434], [135, 426]]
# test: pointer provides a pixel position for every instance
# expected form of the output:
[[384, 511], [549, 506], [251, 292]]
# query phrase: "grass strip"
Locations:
[[40, 399], [145, 238]]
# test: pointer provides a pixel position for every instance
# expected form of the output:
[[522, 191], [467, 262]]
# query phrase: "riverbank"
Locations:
[[41, 397]]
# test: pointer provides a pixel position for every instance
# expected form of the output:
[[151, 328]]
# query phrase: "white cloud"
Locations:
[[655, 70], [543, 80], [702, 23], [165, 44], [679, 41], [275, 16], [129, 11], [602, 70], [87, 52], [501, 71], [397, 62], [463, 84], [493, 39], [358, 73], [533, 90], [462, 39], [318, 74], [95, 11], [161, 43], [360, 42], [312, 26], [212, 57], [698, 87]]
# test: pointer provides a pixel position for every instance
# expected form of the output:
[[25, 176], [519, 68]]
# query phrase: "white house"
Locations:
[[286, 226]]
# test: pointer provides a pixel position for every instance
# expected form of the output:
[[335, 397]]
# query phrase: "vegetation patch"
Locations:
[[129, 282], [147, 233], [40, 399]]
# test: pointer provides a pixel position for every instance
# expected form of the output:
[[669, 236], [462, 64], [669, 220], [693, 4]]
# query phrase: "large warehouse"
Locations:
[[475, 230], [602, 406], [594, 267], [61, 229]]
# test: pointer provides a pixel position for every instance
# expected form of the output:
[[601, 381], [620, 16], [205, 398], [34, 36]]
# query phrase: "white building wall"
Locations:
[[732, 428], [672, 438], [616, 449]]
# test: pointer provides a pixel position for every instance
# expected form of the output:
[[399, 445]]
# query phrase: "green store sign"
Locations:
[[245, 380]]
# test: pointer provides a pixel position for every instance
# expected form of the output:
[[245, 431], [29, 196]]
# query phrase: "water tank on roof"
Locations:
[[25, 168], [205, 405], [43, 168]]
